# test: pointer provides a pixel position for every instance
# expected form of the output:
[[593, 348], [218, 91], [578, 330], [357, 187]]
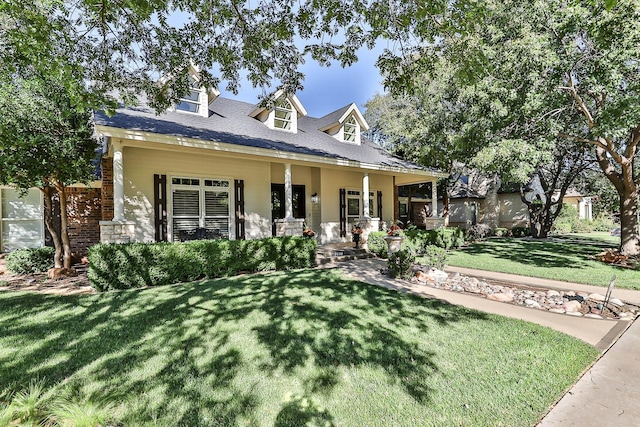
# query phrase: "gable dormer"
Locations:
[[198, 99], [346, 124], [283, 113]]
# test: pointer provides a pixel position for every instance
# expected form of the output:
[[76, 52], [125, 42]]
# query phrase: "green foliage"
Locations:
[[401, 263], [520, 231], [32, 260], [436, 257], [479, 232], [35, 406], [134, 265], [446, 238], [377, 244], [501, 232], [44, 138]]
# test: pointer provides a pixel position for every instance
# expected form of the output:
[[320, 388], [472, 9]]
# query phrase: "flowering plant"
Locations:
[[307, 232], [394, 231], [356, 229]]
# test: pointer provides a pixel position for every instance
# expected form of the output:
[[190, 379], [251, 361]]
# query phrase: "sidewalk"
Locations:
[[607, 394]]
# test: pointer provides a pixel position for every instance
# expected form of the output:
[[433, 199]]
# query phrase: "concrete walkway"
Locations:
[[609, 391]]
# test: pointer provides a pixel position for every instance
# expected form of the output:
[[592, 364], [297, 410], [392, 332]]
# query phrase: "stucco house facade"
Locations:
[[242, 171]]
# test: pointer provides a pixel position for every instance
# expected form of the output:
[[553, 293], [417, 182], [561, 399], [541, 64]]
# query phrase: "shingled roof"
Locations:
[[229, 122]]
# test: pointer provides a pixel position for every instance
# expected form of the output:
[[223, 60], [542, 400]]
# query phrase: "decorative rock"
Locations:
[[553, 293], [423, 277], [596, 297], [570, 294], [557, 310], [572, 306], [616, 301], [502, 297], [531, 303], [437, 275]]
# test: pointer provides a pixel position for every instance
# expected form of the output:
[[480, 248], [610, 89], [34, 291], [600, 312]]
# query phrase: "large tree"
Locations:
[[128, 45], [551, 73], [48, 143]]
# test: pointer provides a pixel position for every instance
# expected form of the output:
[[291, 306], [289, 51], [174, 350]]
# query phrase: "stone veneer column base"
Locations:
[[289, 227], [117, 231]]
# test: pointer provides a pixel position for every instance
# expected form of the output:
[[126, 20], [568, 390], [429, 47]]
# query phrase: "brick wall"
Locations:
[[107, 189], [84, 214]]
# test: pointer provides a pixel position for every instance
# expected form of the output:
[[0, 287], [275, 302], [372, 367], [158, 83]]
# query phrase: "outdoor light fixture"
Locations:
[[314, 198]]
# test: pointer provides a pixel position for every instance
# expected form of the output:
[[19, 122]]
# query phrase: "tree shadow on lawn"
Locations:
[[539, 253], [196, 354]]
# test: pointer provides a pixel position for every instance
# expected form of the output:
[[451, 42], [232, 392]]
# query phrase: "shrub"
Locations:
[[446, 238], [376, 243], [501, 232], [479, 232], [401, 263], [520, 231], [436, 257], [25, 261], [133, 265]]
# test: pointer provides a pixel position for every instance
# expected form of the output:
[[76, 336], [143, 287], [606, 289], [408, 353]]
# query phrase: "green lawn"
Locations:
[[567, 259], [285, 349]]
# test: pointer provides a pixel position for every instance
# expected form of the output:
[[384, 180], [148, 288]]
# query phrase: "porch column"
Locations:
[[288, 192], [434, 199], [118, 182], [366, 212]]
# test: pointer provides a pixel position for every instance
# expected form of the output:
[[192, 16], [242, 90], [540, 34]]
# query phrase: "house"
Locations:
[[469, 204], [241, 171]]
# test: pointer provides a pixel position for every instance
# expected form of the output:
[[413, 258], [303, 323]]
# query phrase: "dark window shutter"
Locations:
[[160, 206], [343, 212], [380, 204], [239, 202]]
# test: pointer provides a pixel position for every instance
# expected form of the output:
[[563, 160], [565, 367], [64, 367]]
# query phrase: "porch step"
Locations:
[[325, 255]]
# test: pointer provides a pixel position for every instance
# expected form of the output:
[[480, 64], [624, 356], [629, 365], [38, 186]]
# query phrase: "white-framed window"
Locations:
[[283, 114], [355, 208], [350, 130], [21, 222], [200, 203], [190, 103]]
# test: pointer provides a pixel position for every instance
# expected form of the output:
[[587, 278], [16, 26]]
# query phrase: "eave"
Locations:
[[170, 142]]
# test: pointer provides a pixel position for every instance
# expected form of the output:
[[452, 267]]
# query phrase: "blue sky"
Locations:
[[327, 89]]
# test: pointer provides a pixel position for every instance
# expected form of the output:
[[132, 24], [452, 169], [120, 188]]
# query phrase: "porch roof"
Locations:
[[229, 122]]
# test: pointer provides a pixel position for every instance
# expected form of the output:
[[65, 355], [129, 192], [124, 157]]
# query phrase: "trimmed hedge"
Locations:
[[134, 265], [418, 241], [445, 238], [25, 261]]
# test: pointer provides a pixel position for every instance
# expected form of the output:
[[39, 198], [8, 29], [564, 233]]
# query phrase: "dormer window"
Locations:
[[283, 114], [345, 124], [190, 102], [350, 129]]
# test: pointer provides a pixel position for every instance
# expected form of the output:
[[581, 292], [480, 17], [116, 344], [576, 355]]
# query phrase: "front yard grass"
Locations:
[[282, 349], [567, 259]]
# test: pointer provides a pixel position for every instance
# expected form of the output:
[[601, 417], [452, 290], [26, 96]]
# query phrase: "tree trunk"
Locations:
[[492, 204], [628, 193], [48, 222], [64, 230], [629, 239]]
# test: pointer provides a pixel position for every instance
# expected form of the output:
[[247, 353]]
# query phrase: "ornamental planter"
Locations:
[[394, 243]]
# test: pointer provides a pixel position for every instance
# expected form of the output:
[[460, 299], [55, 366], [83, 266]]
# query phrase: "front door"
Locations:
[[277, 203]]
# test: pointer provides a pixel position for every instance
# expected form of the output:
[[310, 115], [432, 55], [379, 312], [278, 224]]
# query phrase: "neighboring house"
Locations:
[[582, 204], [241, 171], [468, 203], [22, 223]]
